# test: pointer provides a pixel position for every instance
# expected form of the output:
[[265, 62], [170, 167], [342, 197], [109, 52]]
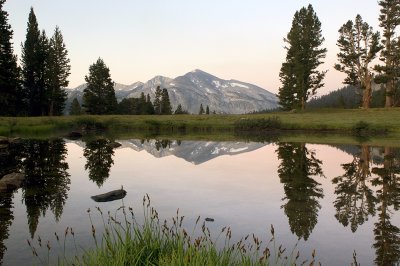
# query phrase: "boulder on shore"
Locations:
[[110, 196], [11, 181]]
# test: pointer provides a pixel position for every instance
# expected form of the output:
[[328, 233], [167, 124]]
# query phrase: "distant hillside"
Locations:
[[349, 97]]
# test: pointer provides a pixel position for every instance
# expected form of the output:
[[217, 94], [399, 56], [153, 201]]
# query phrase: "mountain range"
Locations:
[[195, 152], [195, 88]]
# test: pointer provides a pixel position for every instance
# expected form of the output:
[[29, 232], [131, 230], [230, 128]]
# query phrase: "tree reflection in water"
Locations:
[[355, 201], [387, 235], [47, 180], [6, 218], [99, 155], [297, 168]]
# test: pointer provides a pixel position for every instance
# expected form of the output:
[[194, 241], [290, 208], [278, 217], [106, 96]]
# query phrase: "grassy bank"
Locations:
[[326, 120]]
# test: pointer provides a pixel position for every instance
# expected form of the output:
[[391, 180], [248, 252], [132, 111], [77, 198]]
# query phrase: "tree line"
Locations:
[[359, 46], [37, 86]]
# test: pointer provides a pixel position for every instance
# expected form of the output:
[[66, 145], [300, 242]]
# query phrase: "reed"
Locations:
[[125, 241]]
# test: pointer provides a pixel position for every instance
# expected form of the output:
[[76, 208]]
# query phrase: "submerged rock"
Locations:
[[11, 181], [110, 196]]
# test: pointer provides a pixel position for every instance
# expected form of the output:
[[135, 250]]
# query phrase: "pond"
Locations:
[[335, 199]]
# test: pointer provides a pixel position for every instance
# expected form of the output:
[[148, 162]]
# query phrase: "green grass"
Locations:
[[325, 120], [126, 241]]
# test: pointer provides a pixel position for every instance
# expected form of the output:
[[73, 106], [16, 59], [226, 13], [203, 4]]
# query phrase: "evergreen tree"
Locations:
[[75, 108], [149, 105], [166, 108], [207, 110], [58, 72], [299, 75], [99, 95], [201, 111], [157, 101], [43, 80], [31, 65], [9, 77], [359, 46], [178, 110], [389, 71]]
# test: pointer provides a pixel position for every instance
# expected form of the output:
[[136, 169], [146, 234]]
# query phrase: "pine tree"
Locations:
[[389, 20], [166, 108], [178, 110], [149, 105], [299, 75], [157, 101], [201, 111], [99, 95], [43, 80], [207, 110], [58, 72], [359, 46], [10, 91], [31, 69], [75, 108]]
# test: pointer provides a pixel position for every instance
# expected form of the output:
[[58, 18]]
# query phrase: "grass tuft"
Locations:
[[125, 241]]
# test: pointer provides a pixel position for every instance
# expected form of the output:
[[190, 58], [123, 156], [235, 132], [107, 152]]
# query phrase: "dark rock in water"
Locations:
[[74, 135], [209, 219], [110, 196], [4, 140], [11, 181], [114, 145]]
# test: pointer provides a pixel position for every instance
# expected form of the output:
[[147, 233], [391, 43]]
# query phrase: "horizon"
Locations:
[[228, 39]]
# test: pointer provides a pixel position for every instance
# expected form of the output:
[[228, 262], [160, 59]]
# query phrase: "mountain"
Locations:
[[195, 88], [195, 152]]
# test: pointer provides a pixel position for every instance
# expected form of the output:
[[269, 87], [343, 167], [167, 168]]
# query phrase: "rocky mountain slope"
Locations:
[[195, 88]]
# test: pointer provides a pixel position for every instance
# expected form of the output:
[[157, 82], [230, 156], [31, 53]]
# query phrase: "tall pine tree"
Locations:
[[299, 75], [58, 72], [359, 46], [31, 69], [99, 95], [389, 71], [9, 72]]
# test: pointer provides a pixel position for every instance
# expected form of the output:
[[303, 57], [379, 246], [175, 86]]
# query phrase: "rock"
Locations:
[[209, 219], [110, 196], [114, 145], [4, 140], [11, 181]]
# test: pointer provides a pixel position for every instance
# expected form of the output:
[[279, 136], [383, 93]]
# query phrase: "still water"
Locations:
[[334, 199]]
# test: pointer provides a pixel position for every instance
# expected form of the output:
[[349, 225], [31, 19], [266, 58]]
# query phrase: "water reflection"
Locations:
[[47, 180], [297, 169], [6, 218], [99, 155], [355, 200], [387, 235], [366, 186]]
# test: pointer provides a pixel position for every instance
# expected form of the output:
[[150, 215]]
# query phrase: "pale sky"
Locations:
[[231, 39]]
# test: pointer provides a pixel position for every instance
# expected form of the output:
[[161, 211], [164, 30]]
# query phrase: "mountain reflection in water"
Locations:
[[365, 192]]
